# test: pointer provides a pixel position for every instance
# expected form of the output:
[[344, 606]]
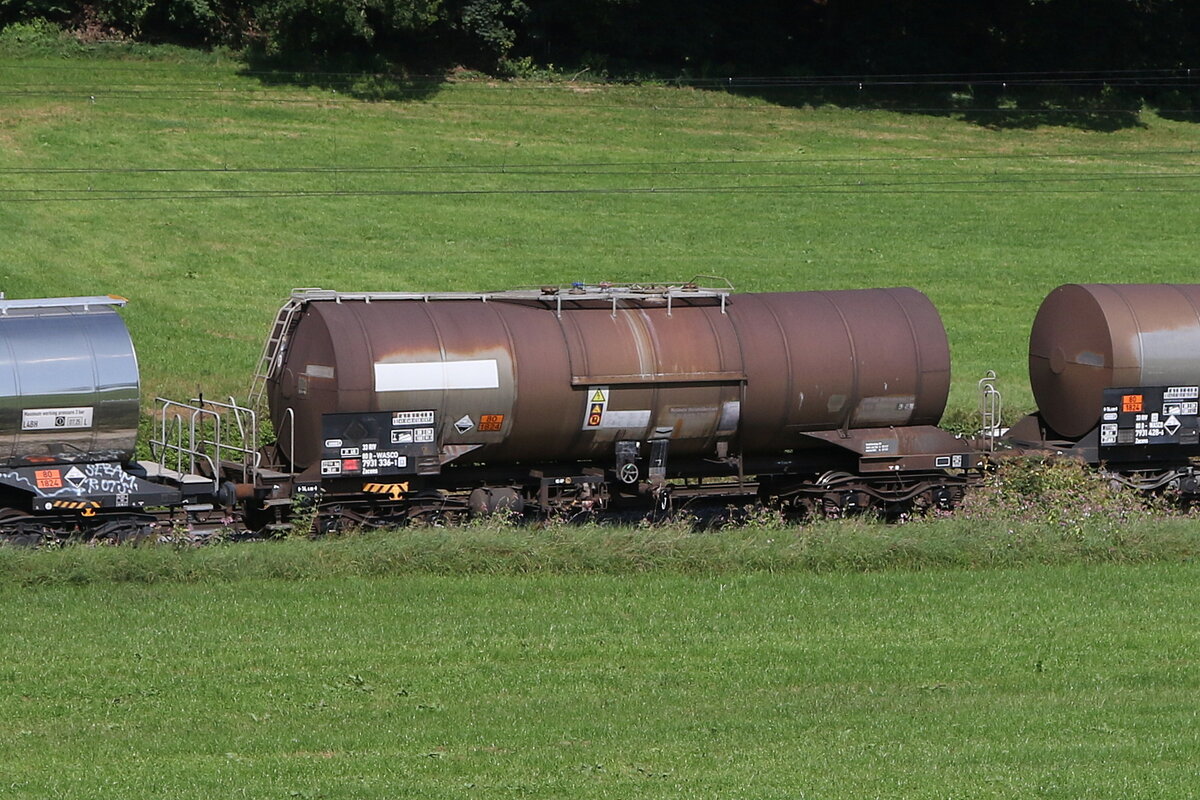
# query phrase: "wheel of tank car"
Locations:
[[832, 506], [105, 533], [122, 532], [430, 508], [20, 529], [329, 522], [338, 519], [429, 516], [800, 507], [628, 473], [33, 539]]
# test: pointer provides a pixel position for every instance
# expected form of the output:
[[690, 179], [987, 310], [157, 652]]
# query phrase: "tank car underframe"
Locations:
[[890, 471], [836, 494], [110, 502], [1168, 463], [830, 494], [178, 524]]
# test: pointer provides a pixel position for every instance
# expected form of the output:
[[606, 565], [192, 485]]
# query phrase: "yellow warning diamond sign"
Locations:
[[594, 414]]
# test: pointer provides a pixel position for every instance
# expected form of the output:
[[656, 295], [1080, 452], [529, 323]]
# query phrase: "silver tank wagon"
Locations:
[[69, 386]]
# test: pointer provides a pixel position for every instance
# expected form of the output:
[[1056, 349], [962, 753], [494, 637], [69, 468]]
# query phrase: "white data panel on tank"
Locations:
[[437, 375], [43, 419]]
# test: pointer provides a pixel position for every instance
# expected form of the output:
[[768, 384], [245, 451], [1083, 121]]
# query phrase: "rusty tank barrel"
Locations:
[[565, 374], [1090, 337]]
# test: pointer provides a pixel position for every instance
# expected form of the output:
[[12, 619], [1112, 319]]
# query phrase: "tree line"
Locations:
[[662, 38]]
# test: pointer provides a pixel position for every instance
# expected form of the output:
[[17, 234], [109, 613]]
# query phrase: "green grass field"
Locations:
[[1067, 682], [204, 195], [959, 659]]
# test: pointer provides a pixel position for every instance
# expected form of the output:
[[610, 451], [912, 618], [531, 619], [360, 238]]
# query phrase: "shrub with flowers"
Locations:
[[1062, 492]]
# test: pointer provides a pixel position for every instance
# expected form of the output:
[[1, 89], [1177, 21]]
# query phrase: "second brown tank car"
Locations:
[[532, 375], [621, 384]]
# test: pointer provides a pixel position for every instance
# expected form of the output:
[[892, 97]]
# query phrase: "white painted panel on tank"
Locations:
[[437, 375], [40, 419], [625, 419], [1168, 356]]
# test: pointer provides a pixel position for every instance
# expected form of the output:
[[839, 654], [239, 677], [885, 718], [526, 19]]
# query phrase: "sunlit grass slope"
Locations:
[[1042, 682], [204, 194]]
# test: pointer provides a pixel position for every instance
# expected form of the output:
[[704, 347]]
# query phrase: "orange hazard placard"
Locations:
[[48, 478], [491, 422], [595, 415], [1132, 403]]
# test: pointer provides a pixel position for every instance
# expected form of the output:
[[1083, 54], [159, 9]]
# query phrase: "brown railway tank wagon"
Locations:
[[1115, 371], [572, 397]]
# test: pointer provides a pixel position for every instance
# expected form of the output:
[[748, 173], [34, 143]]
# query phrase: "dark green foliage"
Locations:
[[24, 10], [341, 33], [854, 38], [377, 34], [37, 37], [314, 27], [489, 28]]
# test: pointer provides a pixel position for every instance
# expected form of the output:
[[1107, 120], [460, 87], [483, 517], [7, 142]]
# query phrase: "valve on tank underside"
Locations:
[[628, 465]]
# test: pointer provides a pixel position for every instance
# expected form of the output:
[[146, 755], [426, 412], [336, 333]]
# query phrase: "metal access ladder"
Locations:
[[991, 405], [268, 362]]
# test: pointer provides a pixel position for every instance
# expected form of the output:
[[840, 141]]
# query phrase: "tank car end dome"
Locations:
[[1090, 337]]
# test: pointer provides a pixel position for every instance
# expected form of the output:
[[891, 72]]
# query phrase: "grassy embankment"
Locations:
[[1041, 682], [488, 548], [205, 194], [376, 675]]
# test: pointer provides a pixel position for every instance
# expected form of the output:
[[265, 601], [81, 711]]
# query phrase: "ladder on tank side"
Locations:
[[268, 362], [991, 405]]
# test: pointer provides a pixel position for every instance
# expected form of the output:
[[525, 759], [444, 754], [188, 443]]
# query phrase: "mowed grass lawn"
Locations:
[[1041, 682], [204, 194]]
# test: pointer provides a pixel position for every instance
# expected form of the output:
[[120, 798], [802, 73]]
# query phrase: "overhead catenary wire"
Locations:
[[963, 186], [668, 167], [660, 173], [758, 108]]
